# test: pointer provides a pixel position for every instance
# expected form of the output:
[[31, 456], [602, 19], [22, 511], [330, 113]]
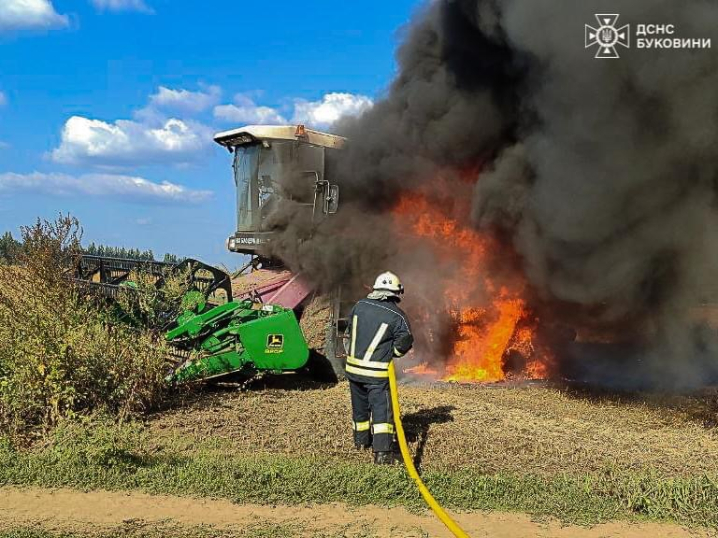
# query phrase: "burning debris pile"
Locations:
[[515, 182]]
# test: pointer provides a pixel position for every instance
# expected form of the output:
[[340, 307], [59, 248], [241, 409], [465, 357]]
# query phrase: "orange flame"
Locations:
[[483, 333], [478, 352]]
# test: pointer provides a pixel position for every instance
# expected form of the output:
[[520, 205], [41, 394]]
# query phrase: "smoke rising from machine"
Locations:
[[600, 174]]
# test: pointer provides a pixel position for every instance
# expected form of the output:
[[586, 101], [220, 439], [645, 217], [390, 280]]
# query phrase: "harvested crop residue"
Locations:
[[547, 430], [244, 284], [315, 321]]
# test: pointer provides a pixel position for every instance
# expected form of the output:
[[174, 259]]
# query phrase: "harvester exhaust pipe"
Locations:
[[409, 462]]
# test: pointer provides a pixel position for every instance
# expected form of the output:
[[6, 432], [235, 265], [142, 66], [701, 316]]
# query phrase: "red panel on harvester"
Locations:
[[272, 287], [292, 293]]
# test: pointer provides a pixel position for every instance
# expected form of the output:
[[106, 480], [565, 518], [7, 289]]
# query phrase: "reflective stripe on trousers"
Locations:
[[383, 427], [361, 426]]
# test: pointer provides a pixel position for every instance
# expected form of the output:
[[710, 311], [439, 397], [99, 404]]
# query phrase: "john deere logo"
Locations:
[[275, 343], [607, 36]]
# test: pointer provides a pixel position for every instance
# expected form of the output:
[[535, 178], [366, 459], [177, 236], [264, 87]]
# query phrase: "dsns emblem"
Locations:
[[607, 36]]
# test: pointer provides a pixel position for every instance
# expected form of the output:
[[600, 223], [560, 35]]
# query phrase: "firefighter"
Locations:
[[378, 331]]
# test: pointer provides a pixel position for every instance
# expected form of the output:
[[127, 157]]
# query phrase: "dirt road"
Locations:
[[68, 510]]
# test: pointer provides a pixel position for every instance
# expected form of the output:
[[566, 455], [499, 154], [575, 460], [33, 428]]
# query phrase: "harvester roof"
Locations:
[[254, 133]]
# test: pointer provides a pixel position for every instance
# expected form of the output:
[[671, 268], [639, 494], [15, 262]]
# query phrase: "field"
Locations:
[[548, 429], [543, 455], [96, 447]]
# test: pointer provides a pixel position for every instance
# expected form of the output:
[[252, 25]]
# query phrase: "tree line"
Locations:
[[10, 248], [127, 253]]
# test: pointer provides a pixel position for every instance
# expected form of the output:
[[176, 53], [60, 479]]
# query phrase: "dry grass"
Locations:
[[539, 430], [62, 357]]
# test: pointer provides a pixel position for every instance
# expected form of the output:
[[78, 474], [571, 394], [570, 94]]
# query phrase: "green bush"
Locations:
[[61, 356]]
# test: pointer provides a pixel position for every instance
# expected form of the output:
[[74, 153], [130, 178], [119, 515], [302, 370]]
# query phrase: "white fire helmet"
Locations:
[[388, 282]]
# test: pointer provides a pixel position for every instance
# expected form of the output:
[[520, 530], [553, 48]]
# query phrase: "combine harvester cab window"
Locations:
[[263, 171], [246, 164]]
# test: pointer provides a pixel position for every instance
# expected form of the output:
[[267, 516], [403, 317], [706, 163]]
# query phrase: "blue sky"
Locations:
[[107, 107]]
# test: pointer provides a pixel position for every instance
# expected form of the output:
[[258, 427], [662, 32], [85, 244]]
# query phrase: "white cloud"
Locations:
[[122, 5], [20, 14], [106, 185], [3, 99], [331, 107], [186, 100], [125, 142], [245, 110], [321, 114]]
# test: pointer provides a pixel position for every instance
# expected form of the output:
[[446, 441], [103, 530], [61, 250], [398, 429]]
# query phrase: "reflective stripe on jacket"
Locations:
[[378, 331]]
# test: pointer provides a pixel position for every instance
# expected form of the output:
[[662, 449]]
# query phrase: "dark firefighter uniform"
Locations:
[[378, 332]]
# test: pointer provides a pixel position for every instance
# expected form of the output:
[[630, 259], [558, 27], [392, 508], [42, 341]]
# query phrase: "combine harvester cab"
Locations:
[[266, 158]]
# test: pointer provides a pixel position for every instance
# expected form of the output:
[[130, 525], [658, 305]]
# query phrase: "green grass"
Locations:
[[118, 458]]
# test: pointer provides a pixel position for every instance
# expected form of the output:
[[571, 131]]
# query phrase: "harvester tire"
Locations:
[[319, 368], [336, 362]]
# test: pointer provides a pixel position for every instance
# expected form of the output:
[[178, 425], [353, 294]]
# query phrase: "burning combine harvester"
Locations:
[[531, 221], [476, 318], [486, 340]]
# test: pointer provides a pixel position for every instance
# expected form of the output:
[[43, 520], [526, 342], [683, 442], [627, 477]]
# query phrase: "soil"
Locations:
[[67, 511]]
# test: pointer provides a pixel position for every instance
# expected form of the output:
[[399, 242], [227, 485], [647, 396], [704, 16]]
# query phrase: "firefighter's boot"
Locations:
[[384, 458]]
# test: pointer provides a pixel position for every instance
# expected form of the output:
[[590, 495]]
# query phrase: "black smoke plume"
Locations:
[[600, 174]]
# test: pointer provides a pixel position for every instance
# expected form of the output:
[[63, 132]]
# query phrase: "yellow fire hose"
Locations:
[[409, 462]]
